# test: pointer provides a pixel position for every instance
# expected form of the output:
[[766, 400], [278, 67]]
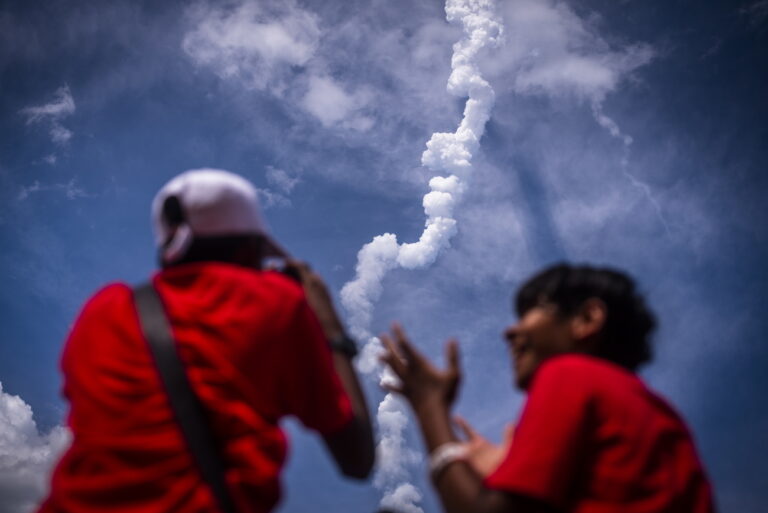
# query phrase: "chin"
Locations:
[[522, 381]]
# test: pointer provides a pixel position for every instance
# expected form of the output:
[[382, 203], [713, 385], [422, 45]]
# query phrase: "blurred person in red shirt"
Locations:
[[257, 345], [591, 438]]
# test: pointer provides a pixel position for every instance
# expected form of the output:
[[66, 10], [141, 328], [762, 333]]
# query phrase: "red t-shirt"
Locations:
[[254, 352], [593, 438]]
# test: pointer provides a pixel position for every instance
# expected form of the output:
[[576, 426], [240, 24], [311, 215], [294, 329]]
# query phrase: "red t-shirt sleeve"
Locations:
[[547, 452], [312, 390]]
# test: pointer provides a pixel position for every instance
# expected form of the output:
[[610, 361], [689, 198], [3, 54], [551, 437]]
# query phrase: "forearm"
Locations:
[[332, 329], [434, 419], [353, 447], [351, 384], [430, 392], [461, 489], [458, 485]]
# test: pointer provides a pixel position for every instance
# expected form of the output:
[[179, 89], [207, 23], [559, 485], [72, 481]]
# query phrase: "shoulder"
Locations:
[[212, 277], [227, 294], [575, 363], [109, 306], [281, 283], [107, 298], [582, 371], [270, 288]]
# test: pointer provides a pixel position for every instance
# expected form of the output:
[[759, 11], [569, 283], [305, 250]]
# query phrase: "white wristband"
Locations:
[[444, 455]]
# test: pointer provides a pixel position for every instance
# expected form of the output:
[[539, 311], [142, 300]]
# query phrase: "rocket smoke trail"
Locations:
[[449, 155], [613, 128]]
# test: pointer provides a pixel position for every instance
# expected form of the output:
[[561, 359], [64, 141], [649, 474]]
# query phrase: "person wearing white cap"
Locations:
[[205, 204], [256, 345]]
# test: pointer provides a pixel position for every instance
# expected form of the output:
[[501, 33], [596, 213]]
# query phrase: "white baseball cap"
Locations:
[[207, 202]]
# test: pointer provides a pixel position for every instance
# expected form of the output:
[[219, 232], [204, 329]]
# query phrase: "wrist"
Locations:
[[332, 328], [444, 455], [430, 405], [343, 344], [435, 421]]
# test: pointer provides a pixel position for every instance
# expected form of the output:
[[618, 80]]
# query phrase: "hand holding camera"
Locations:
[[318, 296]]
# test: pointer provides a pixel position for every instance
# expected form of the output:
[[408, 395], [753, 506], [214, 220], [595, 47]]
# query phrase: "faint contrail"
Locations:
[[613, 128], [450, 156]]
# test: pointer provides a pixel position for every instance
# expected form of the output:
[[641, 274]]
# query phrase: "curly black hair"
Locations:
[[629, 323]]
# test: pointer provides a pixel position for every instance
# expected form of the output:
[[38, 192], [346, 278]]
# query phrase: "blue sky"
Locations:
[[626, 133]]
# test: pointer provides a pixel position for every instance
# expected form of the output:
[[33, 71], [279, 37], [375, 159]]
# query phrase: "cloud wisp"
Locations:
[[756, 12], [615, 131], [251, 41], [555, 53], [281, 186], [26, 455], [53, 113], [552, 51], [281, 180], [273, 47], [70, 189], [446, 154]]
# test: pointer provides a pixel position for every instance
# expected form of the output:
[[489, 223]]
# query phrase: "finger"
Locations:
[[391, 356], [468, 430], [404, 344], [452, 356], [302, 268], [392, 388]]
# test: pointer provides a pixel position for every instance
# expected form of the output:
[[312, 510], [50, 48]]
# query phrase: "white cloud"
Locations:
[[403, 499], [70, 189], [60, 134], [273, 47], [405, 63], [551, 50], [281, 186], [327, 101], [52, 113], [281, 180], [61, 106], [26, 455], [251, 41], [332, 105], [269, 199]]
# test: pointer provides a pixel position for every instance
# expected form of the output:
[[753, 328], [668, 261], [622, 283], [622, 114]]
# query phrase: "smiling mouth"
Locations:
[[519, 350]]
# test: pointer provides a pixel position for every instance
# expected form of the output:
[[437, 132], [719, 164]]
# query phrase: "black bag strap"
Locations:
[[184, 403]]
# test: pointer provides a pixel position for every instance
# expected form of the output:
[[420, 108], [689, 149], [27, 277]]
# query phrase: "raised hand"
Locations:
[[420, 381], [318, 296]]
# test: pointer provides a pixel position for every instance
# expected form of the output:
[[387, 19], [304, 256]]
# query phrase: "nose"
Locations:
[[510, 334]]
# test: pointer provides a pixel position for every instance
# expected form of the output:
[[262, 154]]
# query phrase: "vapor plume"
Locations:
[[449, 155], [613, 128]]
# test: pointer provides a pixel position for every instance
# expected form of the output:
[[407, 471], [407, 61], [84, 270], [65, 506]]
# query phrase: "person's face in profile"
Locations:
[[539, 334]]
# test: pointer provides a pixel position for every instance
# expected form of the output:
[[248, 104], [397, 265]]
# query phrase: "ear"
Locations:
[[588, 322]]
